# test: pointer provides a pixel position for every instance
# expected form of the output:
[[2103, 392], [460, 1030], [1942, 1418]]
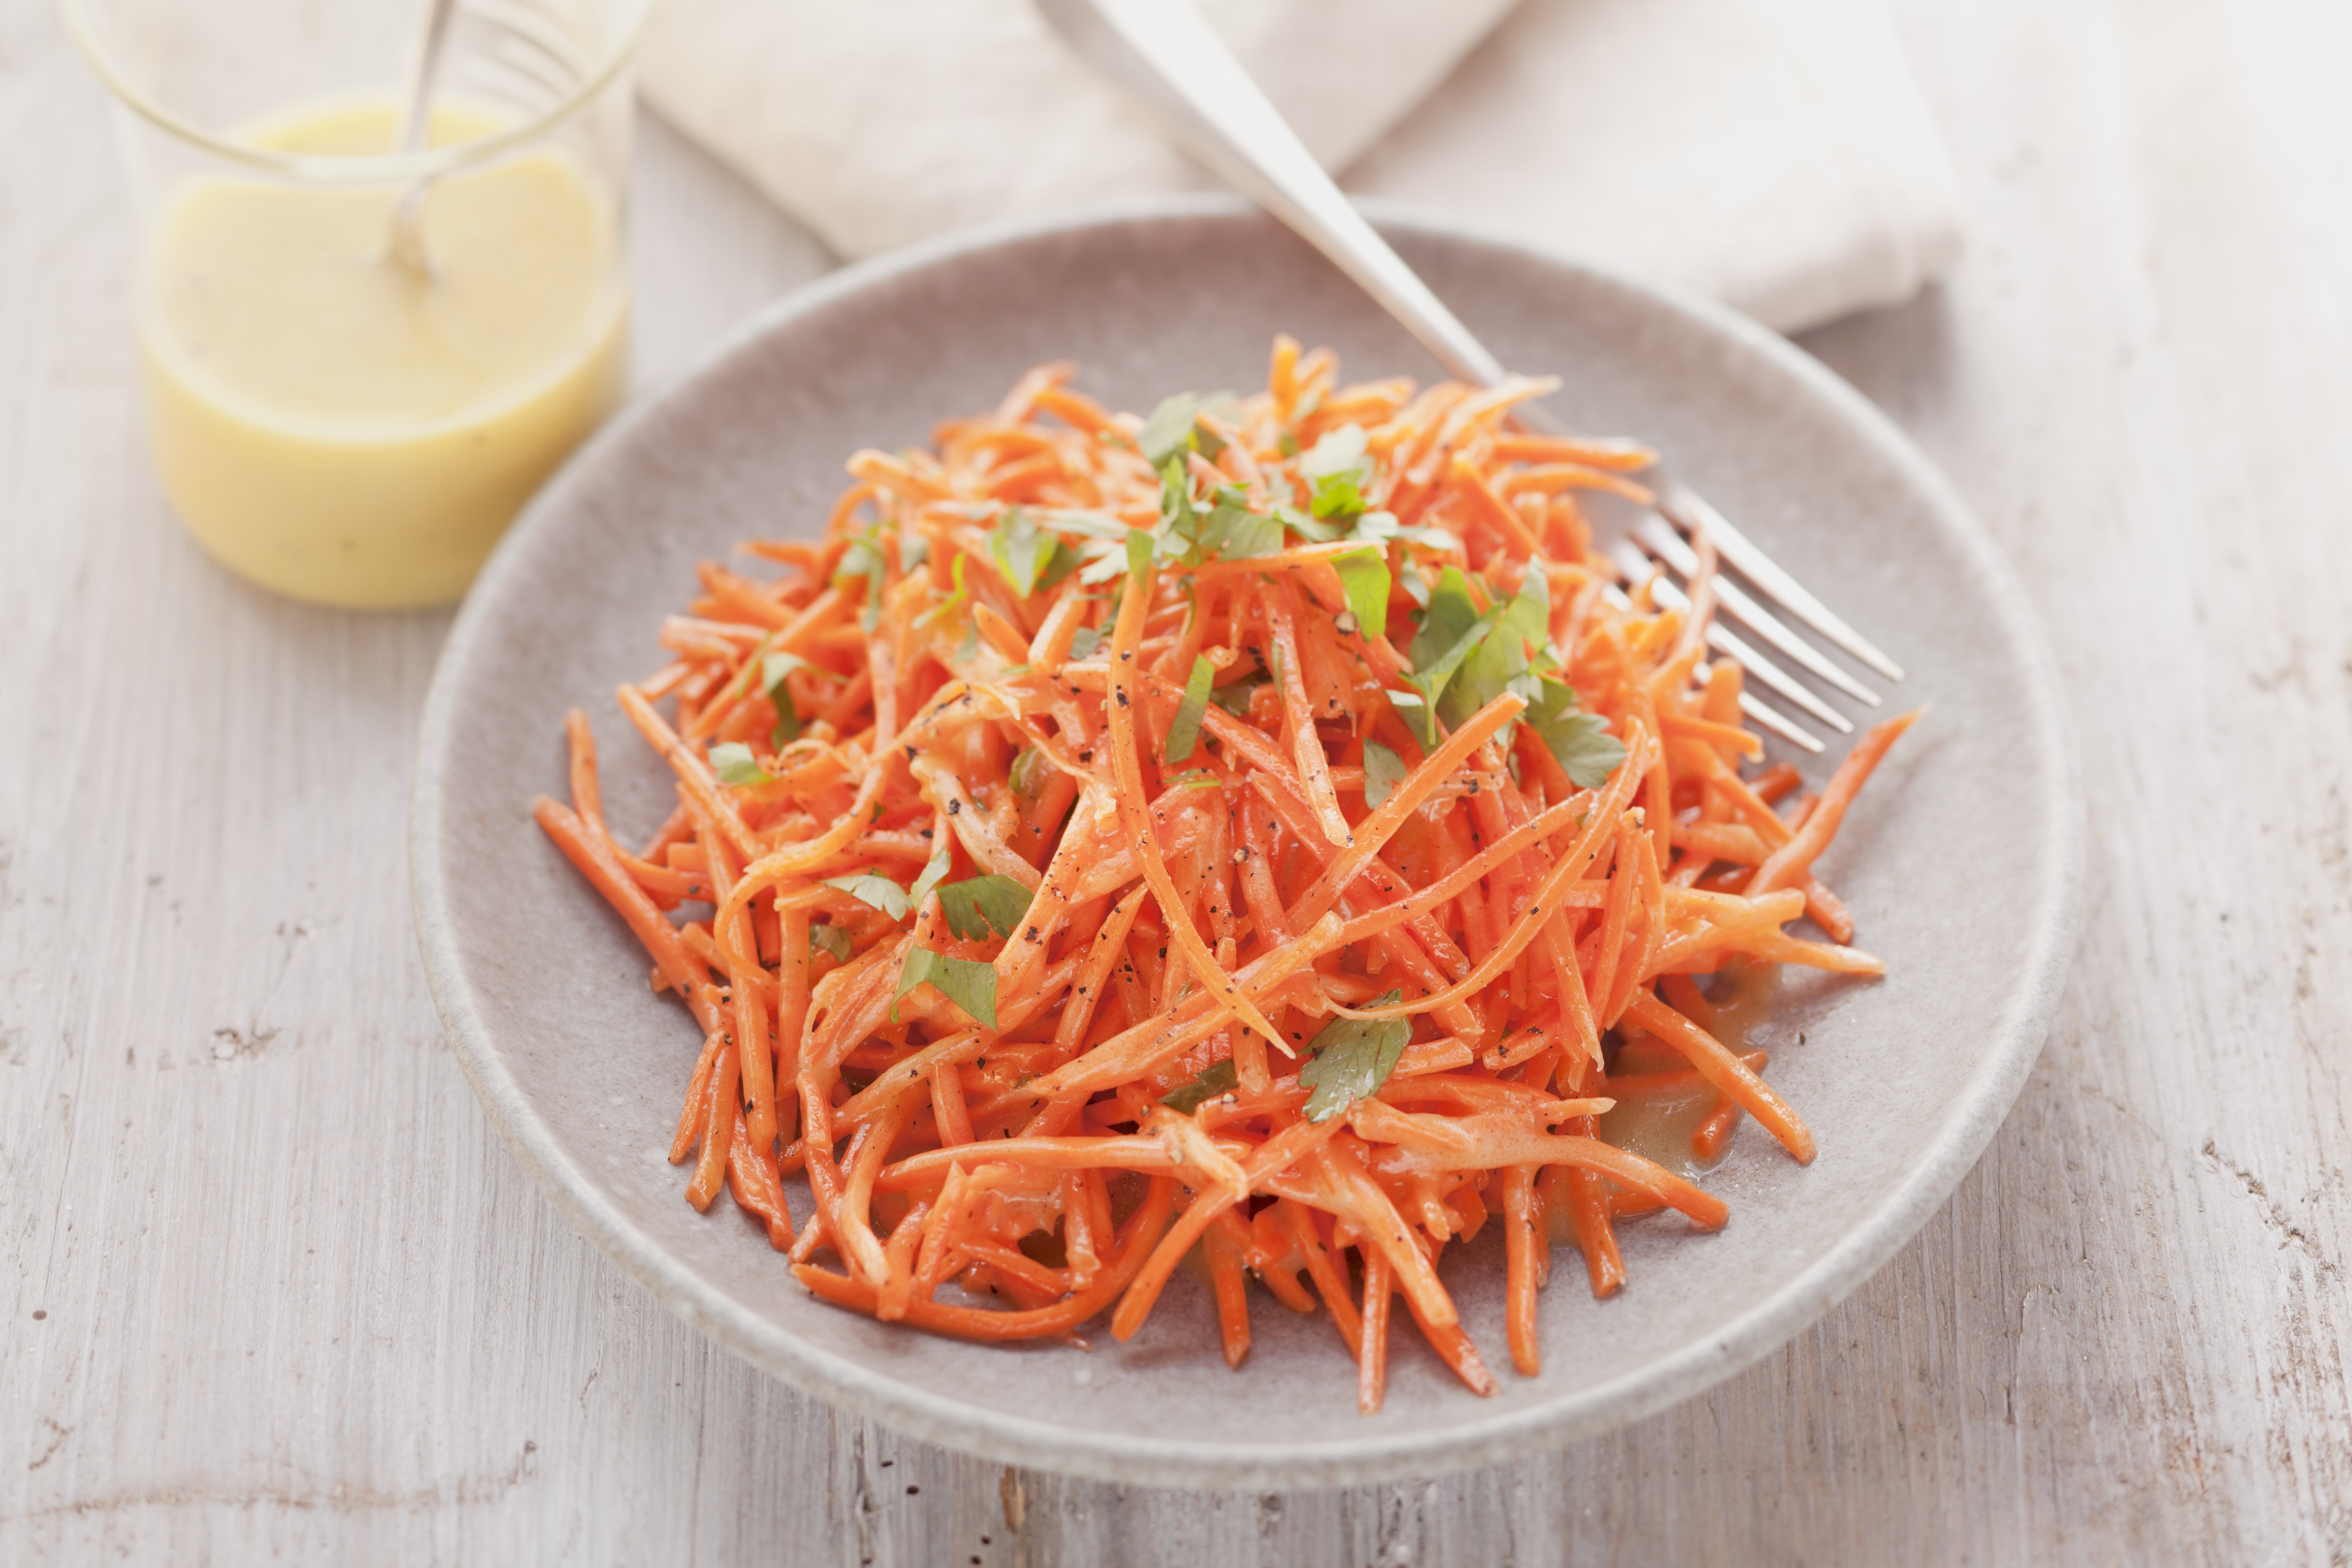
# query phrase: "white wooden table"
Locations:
[[274, 1291]]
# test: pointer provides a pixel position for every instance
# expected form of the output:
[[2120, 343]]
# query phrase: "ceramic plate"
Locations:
[[1960, 863]]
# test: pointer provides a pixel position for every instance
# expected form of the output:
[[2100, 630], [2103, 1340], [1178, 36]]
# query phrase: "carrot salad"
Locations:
[[1250, 833]]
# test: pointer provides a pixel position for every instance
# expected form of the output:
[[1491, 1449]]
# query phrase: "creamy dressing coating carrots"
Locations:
[[1091, 852]]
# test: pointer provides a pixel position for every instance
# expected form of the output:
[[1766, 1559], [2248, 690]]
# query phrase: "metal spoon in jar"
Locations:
[[414, 133]]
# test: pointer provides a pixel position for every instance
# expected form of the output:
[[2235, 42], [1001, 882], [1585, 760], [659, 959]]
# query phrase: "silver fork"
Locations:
[[1179, 72]]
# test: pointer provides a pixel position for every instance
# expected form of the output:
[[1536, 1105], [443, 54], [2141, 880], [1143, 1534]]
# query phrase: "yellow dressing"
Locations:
[[340, 430], [1657, 1124]]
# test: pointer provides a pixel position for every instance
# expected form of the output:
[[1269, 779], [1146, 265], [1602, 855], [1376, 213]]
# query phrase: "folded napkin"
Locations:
[[1772, 152]]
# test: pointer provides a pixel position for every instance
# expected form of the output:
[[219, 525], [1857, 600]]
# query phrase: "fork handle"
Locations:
[[1176, 68]]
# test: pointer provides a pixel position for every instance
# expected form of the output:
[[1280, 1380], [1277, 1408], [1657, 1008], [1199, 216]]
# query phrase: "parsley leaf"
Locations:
[[1184, 730], [976, 903], [1462, 659], [971, 985], [1308, 528], [773, 670], [1030, 558], [1085, 642], [831, 939], [1415, 585], [1380, 527], [1082, 521], [733, 762], [1364, 574], [948, 606], [1451, 629], [864, 558], [935, 871], [1417, 716], [1485, 674], [1170, 428], [1452, 618], [1499, 661], [880, 891], [1588, 752], [1216, 1079], [1175, 426], [1236, 533], [1337, 472], [1530, 612], [1342, 451], [1177, 512], [1337, 495], [1234, 697], [1029, 772], [1353, 1058], [1383, 770], [1104, 559]]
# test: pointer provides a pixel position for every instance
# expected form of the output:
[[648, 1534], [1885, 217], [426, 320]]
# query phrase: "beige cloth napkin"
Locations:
[[1772, 152]]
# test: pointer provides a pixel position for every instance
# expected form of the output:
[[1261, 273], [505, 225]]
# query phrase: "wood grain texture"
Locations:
[[295, 1303]]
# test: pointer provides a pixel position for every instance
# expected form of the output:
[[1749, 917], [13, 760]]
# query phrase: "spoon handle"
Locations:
[[417, 94], [1176, 68], [416, 129]]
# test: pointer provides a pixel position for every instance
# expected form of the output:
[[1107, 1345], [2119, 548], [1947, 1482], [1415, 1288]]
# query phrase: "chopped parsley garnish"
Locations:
[[1175, 426], [1500, 655], [1184, 730], [1030, 772], [880, 891], [1415, 585], [1030, 558], [1451, 630], [1588, 752], [773, 670], [1380, 527], [976, 903], [1337, 472], [733, 762], [1308, 528], [1234, 533], [1383, 770], [1353, 1056], [1364, 576], [1234, 695], [970, 984], [1216, 1079], [935, 871], [1337, 495], [864, 558], [1464, 660], [953, 601]]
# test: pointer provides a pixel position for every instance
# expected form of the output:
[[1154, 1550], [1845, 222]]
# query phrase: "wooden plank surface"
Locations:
[[275, 1292]]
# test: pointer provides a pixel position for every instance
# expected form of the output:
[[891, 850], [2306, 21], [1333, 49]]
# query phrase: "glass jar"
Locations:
[[328, 420]]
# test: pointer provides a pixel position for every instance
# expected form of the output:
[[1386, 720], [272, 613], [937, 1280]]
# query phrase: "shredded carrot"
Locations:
[[1087, 858]]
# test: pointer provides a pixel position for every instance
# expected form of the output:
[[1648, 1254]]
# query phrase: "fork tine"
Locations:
[[1734, 646], [1767, 574], [1773, 719], [1658, 537], [1741, 651]]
